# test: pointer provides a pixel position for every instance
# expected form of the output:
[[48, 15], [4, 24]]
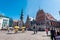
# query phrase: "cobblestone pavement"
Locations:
[[23, 36]]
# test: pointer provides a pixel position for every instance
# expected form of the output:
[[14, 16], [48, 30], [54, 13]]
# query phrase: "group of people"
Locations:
[[54, 33]]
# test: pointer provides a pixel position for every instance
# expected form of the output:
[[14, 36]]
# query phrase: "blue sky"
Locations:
[[12, 8]]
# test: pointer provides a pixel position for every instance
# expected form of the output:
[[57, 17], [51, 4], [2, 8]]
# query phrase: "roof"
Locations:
[[40, 11], [3, 16], [50, 17], [17, 20]]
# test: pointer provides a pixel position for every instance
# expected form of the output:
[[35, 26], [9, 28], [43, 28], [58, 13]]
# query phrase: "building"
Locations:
[[28, 24], [4, 22], [15, 22], [45, 20], [20, 23], [41, 19], [10, 22], [50, 17], [21, 18]]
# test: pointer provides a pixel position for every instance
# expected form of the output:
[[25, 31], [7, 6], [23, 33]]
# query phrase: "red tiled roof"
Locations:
[[50, 17]]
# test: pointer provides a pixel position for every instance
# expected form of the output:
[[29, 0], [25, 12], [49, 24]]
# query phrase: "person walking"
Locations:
[[46, 31], [34, 29], [58, 33], [53, 34], [8, 29]]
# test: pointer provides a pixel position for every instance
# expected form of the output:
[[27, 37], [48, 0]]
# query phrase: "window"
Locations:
[[4, 23]]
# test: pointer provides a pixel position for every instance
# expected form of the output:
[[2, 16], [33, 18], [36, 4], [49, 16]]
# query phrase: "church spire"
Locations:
[[27, 21], [21, 17]]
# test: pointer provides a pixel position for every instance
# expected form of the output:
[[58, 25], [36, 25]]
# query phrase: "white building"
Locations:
[[4, 22]]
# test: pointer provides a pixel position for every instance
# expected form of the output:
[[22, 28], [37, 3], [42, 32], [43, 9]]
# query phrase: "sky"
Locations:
[[12, 8]]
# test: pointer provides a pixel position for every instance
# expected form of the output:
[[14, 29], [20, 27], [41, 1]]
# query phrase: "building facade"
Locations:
[[27, 22], [41, 19], [15, 22], [4, 22], [45, 20]]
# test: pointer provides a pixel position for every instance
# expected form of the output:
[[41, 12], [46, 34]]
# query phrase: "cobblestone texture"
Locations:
[[23, 36]]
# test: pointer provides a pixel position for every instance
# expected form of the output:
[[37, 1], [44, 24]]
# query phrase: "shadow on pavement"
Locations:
[[11, 33], [48, 35], [33, 33], [45, 35]]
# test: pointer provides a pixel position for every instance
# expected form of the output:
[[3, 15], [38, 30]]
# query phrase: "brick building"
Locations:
[[15, 22], [28, 22], [46, 20]]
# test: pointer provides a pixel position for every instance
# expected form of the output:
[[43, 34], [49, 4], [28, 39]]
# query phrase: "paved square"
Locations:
[[23, 36]]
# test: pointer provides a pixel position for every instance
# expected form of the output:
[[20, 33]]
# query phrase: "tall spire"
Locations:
[[27, 21], [21, 17], [27, 17]]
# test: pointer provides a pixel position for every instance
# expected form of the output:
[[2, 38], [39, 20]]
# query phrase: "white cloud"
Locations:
[[31, 18]]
